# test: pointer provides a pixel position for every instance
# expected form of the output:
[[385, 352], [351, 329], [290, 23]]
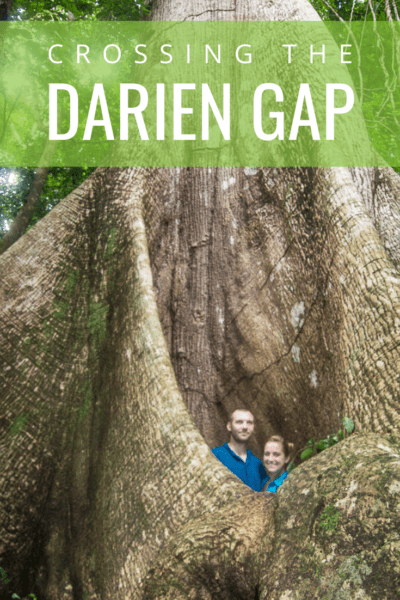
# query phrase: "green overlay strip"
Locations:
[[199, 94]]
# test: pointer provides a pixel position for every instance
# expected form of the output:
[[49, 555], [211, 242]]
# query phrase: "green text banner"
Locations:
[[199, 94]]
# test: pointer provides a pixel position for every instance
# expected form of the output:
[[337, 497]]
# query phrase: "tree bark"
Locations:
[[145, 307]]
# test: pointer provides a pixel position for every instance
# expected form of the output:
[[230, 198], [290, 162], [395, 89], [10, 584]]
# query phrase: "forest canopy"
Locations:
[[15, 183]]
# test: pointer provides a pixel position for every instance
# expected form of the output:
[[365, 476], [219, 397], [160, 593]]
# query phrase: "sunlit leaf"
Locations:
[[322, 445], [306, 453], [348, 424]]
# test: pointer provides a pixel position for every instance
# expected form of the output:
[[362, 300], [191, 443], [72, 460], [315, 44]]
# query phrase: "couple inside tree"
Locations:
[[265, 476]]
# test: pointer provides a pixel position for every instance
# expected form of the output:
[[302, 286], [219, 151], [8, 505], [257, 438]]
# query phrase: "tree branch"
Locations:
[[395, 10], [388, 11]]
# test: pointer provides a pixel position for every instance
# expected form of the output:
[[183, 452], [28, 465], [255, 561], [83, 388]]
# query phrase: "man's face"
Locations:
[[241, 426]]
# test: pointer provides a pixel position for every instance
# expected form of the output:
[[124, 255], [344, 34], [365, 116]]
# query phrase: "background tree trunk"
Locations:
[[5, 9], [152, 298], [24, 216]]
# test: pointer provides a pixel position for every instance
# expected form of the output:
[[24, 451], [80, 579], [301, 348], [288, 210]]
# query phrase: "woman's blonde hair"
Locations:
[[287, 447]]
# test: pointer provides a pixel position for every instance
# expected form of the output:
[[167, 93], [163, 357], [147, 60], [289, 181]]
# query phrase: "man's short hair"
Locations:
[[230, 416]]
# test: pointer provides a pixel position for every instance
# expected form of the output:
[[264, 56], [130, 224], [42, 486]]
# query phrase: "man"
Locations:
[[235, 455]]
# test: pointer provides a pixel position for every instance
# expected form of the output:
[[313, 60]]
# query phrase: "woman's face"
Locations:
[[274, 458]]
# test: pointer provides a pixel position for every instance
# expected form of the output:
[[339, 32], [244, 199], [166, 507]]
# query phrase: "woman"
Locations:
[[277, 454]]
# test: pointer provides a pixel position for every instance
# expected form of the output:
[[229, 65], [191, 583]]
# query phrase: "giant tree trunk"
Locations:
[[144, 308]]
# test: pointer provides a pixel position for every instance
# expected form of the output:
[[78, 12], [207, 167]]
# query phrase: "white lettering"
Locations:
[[257, 115], [217, 58], [140, 62], [125, 110], [209, 102], [330, 106], [247, 54], [56, 62], [98, 94], [343, 52], [84, 54], [289, 47], [73, 111], [312, 54], [179, 111], [112, 62], [166, 62], [304, 94], [160, 111]]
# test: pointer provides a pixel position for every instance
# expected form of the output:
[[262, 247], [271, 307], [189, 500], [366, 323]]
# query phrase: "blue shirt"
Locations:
[[251, 472], [273, 485]]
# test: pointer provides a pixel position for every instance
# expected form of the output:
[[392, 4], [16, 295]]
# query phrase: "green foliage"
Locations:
[[307, 452], [15, 185], [6, 580], [86, 393], [329, 518], [67, 10], [18, 424], [354, 10], [4, 575], [97, 323], [60, 181], [14, 189], [348, 424], [312, 447]]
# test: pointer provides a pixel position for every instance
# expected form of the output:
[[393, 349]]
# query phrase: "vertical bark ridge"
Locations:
[[35, 414], [370, 296], [265, 314], [80, 311], [380, 192]]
